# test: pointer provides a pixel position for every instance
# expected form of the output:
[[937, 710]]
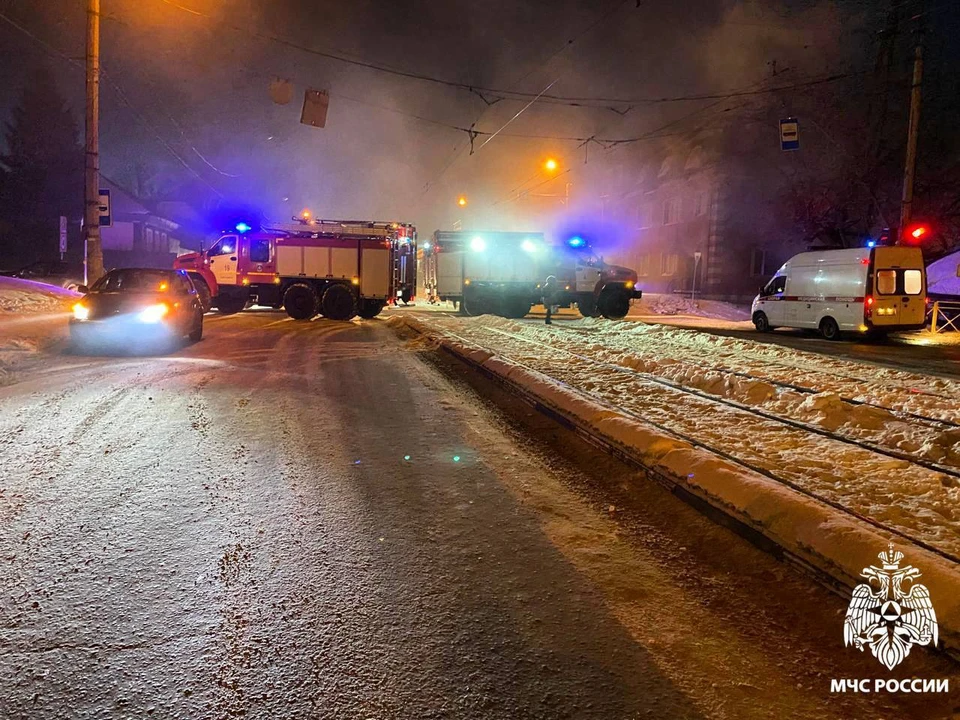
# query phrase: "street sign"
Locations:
[[789, 134], [63, 236], [315, 104], [106, 218]]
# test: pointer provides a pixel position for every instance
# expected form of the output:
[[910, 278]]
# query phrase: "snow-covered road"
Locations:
[[293, 520]]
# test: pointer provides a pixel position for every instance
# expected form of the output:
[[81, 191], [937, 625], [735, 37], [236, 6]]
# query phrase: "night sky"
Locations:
[[201, 84]]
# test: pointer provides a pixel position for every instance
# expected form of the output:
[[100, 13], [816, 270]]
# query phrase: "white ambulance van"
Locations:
[[862, 290]]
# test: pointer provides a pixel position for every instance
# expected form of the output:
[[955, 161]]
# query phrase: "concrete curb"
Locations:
[[834, 545]]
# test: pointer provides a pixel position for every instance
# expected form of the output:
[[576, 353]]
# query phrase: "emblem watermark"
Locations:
[[890, 613]]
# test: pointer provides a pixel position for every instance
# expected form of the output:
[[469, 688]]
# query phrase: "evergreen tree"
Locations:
[[42, 176]]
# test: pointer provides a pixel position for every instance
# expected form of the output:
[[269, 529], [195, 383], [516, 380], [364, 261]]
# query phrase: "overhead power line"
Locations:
[[573, 101], [126, 101]]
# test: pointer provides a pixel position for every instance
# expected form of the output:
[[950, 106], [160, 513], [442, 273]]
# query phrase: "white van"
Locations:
[[863, 290]]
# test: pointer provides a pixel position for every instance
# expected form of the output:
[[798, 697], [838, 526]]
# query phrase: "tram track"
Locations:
[[842, 474]]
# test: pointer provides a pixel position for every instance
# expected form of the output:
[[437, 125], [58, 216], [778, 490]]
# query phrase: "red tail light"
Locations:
[[868, 307]]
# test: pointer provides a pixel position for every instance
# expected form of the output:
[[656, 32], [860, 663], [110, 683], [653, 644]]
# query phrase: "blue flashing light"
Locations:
[[242, 227], [576, 241], [871, 243]]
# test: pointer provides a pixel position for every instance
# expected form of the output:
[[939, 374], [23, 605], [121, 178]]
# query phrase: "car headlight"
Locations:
[[154, 313], [81, 312]]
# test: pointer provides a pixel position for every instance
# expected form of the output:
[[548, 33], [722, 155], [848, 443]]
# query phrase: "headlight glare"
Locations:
[[154, 313], [81, 312]]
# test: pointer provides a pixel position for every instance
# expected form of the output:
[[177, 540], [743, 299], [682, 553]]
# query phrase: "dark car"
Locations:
[[55, 272], [138, 307]]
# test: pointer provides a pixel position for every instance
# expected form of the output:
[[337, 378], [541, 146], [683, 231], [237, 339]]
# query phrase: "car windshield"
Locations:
[[134, 281]]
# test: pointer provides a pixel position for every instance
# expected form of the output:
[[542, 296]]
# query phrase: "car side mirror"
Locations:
[[83, 289]]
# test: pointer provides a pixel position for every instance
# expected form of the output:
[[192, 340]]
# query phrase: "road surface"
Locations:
[[321, 519]]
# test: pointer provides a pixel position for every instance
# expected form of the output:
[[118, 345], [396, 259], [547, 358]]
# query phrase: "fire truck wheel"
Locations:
[[203, 292], [587, 304], [228, 305], [613, 305], [472, 304], [370, 309], [515, 308], [338, 303], [301, 301]]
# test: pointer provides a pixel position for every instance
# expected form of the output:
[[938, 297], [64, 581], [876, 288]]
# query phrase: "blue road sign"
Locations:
[[789, 134]]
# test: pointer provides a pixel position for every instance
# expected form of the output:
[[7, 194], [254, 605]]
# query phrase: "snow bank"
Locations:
[[827, 538], [25, 296], [662, 304], [32, 319], [943, 276]]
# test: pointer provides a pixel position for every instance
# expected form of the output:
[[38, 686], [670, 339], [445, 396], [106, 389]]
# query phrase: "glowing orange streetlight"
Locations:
[[550, 165], [462, 201], [305, 214]]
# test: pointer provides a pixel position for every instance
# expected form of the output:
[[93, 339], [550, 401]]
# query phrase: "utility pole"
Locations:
[[91, 215], [910, 170]]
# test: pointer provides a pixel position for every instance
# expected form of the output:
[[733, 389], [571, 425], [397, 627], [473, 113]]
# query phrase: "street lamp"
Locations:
[[550, 165], [462, 201]]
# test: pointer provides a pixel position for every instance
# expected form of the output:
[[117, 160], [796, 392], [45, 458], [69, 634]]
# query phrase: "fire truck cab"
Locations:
[[339, 269]]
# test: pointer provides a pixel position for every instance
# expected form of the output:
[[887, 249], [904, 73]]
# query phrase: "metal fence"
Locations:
[[945, 316]]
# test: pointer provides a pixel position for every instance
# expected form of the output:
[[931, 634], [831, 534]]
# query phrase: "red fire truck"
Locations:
[[337, 268]]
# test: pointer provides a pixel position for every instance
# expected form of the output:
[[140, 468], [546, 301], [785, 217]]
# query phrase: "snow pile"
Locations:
[[32, 320], [943, 276], [653, 424], [662, 304], [25, 296]]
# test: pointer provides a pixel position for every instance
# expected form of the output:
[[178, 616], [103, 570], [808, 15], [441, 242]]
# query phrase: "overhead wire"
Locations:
[[123, 97], [573, 101]]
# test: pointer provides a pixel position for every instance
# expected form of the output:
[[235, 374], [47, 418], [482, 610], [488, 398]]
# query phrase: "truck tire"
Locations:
[[829, 329], [300, 301], [338, 303], [203, 292], [613, 304], [230, 304], [473, 304], [370, 309], [515, 307], [587, 305]]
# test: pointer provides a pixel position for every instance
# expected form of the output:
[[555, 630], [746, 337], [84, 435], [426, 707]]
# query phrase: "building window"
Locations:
[[164, 244], [643, 265], [644, 213], [671, 211], [700, 204], [668, 264], [758, 262], [148, 242]]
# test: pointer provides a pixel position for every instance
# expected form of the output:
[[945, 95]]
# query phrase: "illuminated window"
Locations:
[[886, 282], [912, 282]]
